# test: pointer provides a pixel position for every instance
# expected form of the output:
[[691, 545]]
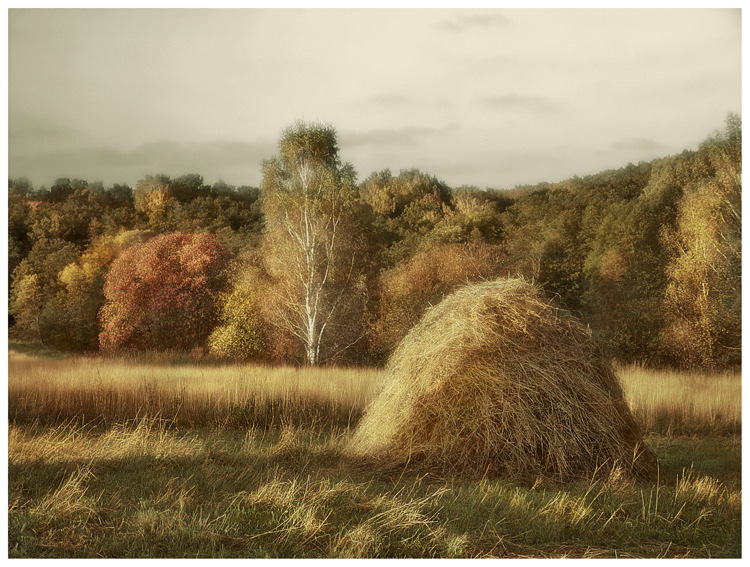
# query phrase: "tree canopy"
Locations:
[[315, 267]]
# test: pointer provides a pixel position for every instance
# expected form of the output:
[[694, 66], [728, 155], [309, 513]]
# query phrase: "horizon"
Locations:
[[360, 178]]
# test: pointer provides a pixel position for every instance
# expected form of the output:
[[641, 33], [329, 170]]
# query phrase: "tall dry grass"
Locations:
[[109, 391], [684, 403], [142, 489]]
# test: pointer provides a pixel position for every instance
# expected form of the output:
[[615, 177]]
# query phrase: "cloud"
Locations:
[[25, 126], [636, 144], [523, 102], [29, 132], [234, 161], [463, 22], [397, 136], [389, 99]]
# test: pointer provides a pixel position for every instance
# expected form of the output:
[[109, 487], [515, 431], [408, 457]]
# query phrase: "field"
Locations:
[[164, 458]]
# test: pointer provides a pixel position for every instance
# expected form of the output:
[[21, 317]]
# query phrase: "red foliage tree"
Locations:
[[162, 294]]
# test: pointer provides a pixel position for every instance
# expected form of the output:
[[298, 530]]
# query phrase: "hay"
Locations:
[[495, 380]]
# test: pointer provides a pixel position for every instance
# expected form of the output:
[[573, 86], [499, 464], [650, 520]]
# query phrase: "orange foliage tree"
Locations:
[[410, 287], [162, 294]]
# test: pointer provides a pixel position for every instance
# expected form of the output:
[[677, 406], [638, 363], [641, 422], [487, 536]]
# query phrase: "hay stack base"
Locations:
[[496, 381]]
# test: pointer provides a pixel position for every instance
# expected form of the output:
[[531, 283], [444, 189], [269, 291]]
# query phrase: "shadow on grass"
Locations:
[[293, 493]]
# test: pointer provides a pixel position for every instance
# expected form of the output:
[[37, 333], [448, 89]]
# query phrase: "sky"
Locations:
[[491, 98]]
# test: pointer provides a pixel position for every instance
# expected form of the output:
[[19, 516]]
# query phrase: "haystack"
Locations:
[[496, 380]]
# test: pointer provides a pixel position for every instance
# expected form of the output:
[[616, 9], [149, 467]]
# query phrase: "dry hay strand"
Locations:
[[497, 381]]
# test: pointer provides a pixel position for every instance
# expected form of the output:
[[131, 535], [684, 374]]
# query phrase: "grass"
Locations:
[[146, 491], [685, 403], [150, 477], [106, 392]]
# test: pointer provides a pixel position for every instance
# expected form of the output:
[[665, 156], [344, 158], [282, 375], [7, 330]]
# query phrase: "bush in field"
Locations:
[[162, 294]]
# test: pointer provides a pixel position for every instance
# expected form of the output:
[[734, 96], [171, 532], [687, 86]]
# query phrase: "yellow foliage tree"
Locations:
[[242, 333], [704, 293]]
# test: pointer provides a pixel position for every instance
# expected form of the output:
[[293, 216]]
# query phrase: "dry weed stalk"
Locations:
[[495, 380]]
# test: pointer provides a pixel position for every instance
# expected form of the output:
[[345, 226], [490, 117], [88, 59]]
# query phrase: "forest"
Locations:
[[318, 267]]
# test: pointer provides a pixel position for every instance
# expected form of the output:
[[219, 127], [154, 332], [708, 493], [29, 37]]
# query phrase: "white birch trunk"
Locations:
[[313, 235]]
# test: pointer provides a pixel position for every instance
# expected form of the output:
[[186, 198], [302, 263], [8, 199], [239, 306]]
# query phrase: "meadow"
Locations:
[[171, 458]]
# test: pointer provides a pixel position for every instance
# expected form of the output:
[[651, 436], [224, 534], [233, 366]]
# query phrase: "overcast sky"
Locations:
[[492, 98]]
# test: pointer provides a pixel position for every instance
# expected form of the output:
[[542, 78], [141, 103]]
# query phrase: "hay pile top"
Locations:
[[496, 380]]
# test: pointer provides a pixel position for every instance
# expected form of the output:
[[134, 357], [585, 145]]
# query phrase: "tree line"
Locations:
[[317, 267]]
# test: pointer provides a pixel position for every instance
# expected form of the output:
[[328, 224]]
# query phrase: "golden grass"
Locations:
[[141, 487], [496, 380], [684, 403], [111, 391]]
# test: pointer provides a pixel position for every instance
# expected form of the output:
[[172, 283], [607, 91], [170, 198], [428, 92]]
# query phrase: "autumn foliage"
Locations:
[[315, 266], [409, 288], [162, 294]]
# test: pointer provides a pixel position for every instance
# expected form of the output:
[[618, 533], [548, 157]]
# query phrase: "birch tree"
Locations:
[[309, 199]]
